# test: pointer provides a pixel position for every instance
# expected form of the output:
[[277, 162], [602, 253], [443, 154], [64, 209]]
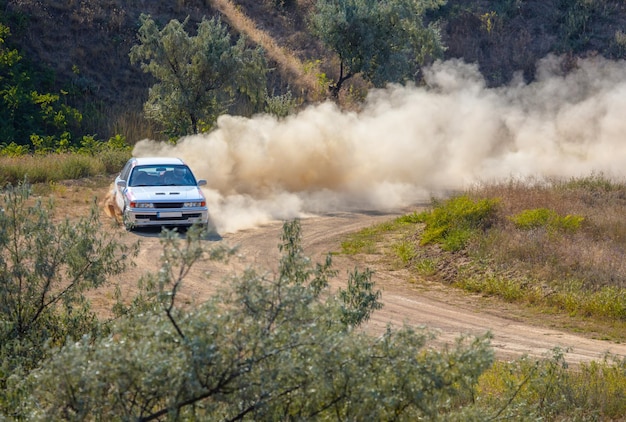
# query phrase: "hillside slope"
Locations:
[[507, 37], [86, 43]]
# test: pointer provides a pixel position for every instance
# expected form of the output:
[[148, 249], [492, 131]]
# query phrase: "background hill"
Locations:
[[83, 45]]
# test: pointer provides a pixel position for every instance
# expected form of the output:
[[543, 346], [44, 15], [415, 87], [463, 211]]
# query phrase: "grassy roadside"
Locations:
[[555, 249]]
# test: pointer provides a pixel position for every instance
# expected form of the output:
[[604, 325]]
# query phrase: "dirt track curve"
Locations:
[[446, 311]]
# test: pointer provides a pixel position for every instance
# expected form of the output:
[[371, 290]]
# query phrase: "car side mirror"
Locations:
[[201, 182], [121, 183]]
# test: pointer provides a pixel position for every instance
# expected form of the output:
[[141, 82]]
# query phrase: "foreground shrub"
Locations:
[[47, 263], [279, 347]]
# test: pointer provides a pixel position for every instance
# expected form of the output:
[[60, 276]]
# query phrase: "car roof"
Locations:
[[142, 161]]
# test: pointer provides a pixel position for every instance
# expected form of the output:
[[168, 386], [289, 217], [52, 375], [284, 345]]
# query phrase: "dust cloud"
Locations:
[[410, 143]]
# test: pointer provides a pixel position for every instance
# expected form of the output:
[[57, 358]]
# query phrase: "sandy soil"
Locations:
[[448, 312]]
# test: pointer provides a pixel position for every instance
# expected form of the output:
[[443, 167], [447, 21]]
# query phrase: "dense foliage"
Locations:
[[454, 223], [36, 122], [284, 346], [386, 41]]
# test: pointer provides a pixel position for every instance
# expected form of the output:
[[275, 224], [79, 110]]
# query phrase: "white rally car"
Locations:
[[160, 191]]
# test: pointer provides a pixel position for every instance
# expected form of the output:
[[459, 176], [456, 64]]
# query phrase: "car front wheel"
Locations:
[[128, 225]]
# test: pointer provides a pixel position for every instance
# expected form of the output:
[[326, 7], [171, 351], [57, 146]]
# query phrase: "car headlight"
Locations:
[[194, 204], [141, 205]]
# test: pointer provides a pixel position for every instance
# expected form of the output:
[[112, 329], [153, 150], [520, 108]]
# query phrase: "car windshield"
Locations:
[[159, 175]]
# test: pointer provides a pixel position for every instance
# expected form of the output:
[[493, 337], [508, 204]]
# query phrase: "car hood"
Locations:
[[164, 193]]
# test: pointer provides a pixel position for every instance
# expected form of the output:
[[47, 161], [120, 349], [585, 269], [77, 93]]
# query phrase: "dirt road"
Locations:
[[446, 311]]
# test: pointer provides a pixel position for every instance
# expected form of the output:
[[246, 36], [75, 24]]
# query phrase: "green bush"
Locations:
[[609, 301], [14, 150], [532, 219], [575, 23], [546, 218], [426, 267], [454, 222], [404, 250]]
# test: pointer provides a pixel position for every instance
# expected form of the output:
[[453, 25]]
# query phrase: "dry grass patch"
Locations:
[[57, 167], [557, 247]]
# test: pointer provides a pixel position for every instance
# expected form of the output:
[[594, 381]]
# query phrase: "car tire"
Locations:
[[127, 224]]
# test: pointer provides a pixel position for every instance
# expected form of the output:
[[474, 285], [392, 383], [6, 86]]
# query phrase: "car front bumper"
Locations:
[[142, 217]]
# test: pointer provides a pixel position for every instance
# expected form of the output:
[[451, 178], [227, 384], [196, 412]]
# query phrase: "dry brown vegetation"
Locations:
[[594, 255]]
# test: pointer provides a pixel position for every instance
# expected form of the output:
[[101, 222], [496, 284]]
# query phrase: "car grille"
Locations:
[[168, 205]]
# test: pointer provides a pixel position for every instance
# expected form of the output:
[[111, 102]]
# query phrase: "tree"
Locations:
[[268, 347], [46, 266], [384, 41], [198, 76]]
